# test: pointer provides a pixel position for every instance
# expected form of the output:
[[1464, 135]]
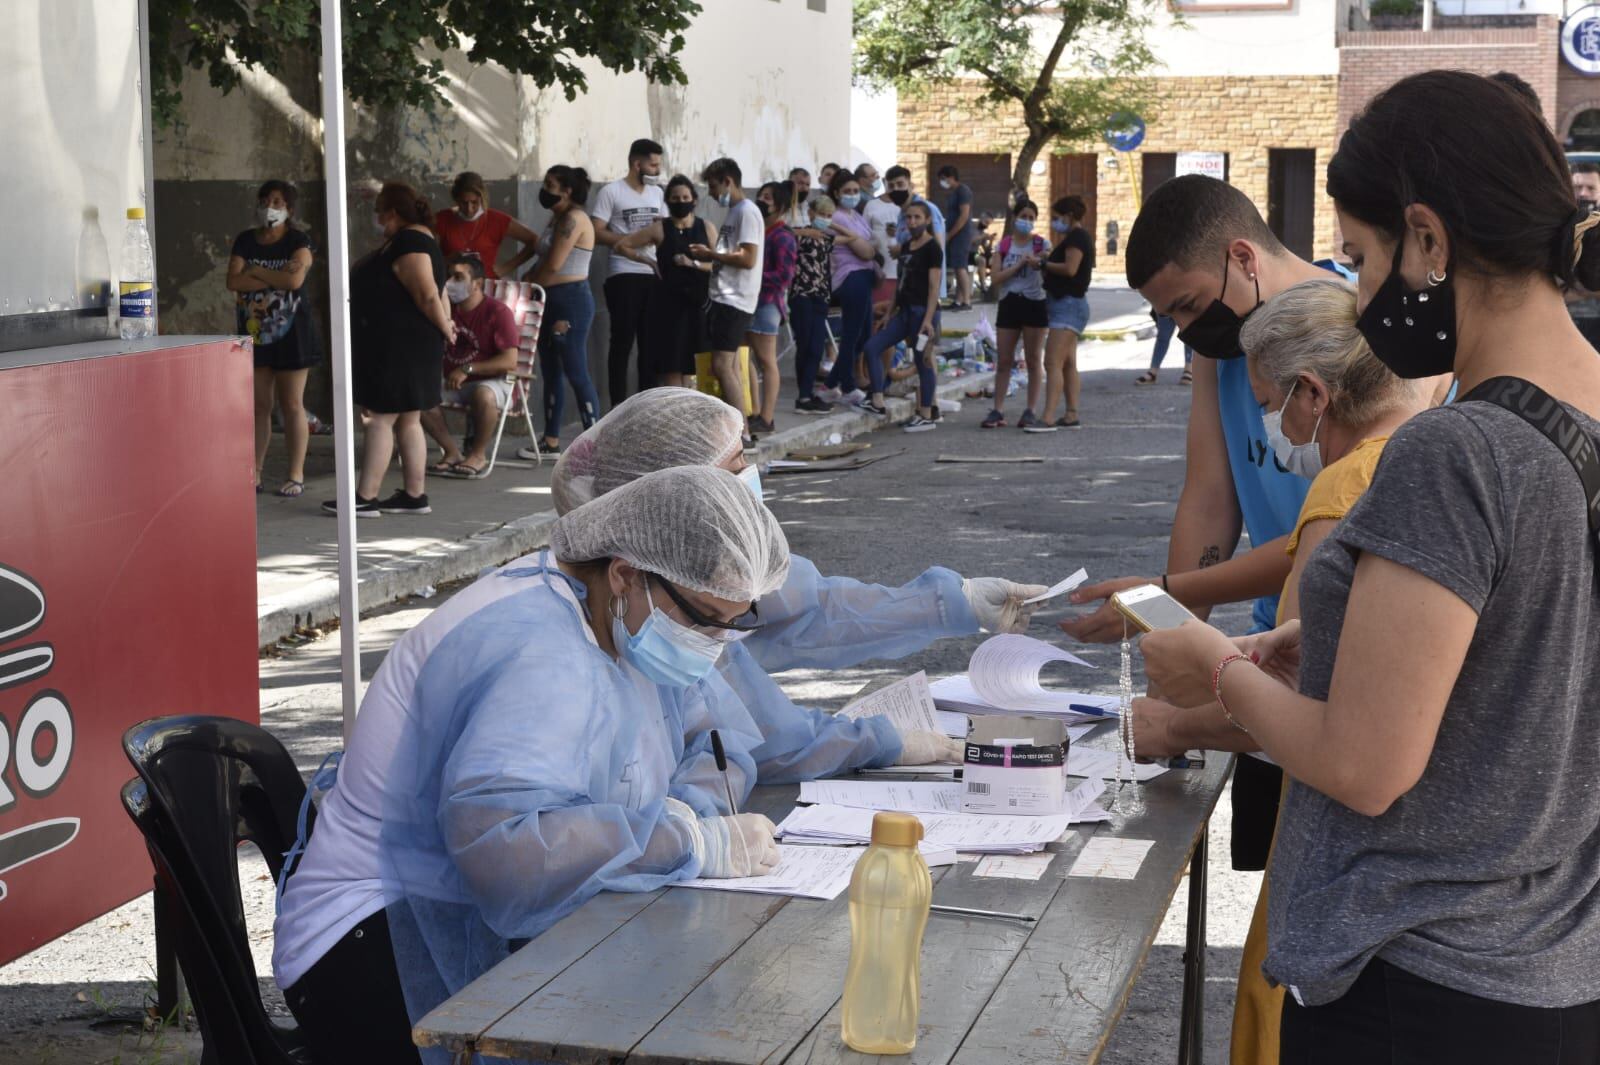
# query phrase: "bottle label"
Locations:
[[138, 300]]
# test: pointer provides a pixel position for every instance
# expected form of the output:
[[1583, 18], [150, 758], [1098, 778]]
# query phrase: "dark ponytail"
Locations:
[[575, 179], [1474, 151], [404, 201]]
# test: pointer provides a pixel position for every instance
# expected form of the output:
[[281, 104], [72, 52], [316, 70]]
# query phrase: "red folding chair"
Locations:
[[526, 301]]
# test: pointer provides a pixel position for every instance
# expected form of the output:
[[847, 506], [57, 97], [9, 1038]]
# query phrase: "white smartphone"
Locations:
[[1149, 608]]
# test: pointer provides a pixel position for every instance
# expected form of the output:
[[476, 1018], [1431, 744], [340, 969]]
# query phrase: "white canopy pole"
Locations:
[[339, 319]]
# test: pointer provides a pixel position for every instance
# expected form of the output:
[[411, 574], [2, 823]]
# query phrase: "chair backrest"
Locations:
[[526, 301], [209, 784]]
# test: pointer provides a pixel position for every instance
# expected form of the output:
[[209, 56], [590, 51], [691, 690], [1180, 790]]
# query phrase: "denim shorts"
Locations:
[[1069, 312], [765, 321]]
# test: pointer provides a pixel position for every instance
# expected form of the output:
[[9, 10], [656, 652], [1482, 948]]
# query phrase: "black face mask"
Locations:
[[1412, 333], [899, 197], [680, 209], [764, 208], [548, 199], [1215, 333]]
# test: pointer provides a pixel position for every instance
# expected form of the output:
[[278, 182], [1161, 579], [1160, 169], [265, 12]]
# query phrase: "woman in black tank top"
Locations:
[[667, 349]]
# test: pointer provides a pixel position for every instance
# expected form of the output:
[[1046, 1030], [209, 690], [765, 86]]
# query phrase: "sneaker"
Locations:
[[1028, 420], [827, 395], [995, 420], [1068, 423], [937, 416], [365, 508], [758, 424], [402, 503], [919, 424], [1040, 427], [812, 405], [868, 407]]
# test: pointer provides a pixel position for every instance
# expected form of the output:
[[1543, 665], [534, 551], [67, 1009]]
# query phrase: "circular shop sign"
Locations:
[[1580, 39]]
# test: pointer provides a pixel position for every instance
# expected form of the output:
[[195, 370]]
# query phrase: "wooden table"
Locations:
[[684, 976]]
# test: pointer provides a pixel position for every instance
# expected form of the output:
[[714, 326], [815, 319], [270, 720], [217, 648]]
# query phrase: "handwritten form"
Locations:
[[1060, 589], [912, 796], [1013, 866], [802, 872], [908, 704], [1118, 859]]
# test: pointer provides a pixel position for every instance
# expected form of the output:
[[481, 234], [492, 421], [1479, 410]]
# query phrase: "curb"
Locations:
[[385, 583]]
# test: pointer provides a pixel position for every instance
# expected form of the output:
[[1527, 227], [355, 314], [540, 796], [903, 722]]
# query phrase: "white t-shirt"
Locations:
[[621, 210], [738, 288], [339, 882], [883, 216]]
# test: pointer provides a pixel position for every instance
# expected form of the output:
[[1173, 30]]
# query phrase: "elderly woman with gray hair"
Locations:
[[1330, 407]]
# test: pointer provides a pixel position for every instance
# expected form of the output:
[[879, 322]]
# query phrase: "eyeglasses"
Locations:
[[726, 631]]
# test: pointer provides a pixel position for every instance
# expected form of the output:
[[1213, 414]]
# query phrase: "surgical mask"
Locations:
[[1302, 460], [473, 217], [457, 290], [850, 200], [268, 217], [944, 183], [1215, 333], [1023, 226], [725, 199], [666, 651], [877, 187], [657, 180], [1412, 333], [680, 209], [899, 197], [915, 232], [750, 477], [548, 199], [1060, 225]]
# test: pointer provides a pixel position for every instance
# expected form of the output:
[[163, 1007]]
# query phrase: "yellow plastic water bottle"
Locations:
[[889, 896]]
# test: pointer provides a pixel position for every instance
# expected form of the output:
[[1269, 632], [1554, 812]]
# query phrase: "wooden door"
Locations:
[[1292, 198], [1075, 175]]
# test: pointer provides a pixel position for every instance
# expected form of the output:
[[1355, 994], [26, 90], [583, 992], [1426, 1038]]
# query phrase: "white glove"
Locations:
[[998, 602], [920, 747], [742, 845]]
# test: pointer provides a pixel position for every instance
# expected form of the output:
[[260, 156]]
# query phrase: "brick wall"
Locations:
[[1575, 93], [1370, 62], [1243, 116]]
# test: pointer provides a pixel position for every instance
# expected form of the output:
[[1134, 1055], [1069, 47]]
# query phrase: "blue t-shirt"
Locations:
[[1269, 495]]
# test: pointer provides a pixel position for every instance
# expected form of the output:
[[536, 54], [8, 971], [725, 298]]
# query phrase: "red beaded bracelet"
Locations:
[[1216, 687]]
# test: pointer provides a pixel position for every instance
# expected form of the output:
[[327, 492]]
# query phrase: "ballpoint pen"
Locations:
[[993, 915], [1090, 709], [722, 766]]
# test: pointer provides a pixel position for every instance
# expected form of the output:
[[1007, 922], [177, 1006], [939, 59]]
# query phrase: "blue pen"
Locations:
[[1093, 711]]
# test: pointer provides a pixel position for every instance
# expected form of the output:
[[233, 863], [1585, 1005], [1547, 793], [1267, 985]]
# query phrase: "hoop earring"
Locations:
[[1434, 281], [619, 606]]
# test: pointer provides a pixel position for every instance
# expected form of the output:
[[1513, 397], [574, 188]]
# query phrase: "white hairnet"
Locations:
[[697, 526], [656, 429]]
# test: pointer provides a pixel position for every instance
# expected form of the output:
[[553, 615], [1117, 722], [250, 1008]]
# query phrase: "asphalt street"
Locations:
[[1101, 498]]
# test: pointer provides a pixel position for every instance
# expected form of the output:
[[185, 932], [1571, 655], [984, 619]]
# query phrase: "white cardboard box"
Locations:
[[1015, 765]]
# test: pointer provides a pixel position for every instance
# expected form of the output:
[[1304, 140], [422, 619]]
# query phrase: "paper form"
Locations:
[[908, 704], [957, 695], [1092, 762], [1013, 866], [1106, 856], [1005, 672], [932, 769], [803, 872], [996, 833], [912, 796], [952, 724], [1060, 589]]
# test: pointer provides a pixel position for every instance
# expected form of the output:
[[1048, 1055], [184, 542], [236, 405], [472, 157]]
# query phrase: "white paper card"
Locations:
[[911, 796], [803, 872], [1060, 589], [1107, 856], [1013, 866], [908, 704], [1093, 762]]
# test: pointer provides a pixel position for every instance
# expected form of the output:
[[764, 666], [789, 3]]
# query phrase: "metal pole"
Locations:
[[1192, 1021], [1427, 15], [339, 319]]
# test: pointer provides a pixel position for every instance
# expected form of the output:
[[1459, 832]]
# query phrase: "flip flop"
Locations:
[[291, 489], [444, 466], [461, 471], [1187, 378], [1146, 378]]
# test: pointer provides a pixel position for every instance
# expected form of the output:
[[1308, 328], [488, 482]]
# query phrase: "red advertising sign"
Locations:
[[127, 591]]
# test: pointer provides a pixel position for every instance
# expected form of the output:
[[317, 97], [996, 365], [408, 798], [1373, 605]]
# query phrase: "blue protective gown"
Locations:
[[533, 773]]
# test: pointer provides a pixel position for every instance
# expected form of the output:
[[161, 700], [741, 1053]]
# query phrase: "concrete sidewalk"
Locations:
[[483, 523]]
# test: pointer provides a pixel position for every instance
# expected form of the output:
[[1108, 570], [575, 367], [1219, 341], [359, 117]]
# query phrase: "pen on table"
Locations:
[[1090, 709], [996, 915], [722, 766]]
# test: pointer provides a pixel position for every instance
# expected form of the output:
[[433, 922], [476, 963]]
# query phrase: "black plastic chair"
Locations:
[[207, 784]]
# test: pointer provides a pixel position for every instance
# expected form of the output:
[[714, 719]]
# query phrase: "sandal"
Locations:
[[444, 466], [462, 471], [291, 489], [1187, 378], [1146, 378]]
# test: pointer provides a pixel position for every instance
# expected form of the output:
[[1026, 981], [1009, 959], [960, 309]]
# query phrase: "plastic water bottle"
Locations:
[[136, 309], [94, 276], [889, 896]]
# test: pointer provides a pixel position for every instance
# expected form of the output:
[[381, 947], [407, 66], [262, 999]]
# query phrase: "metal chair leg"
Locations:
[[1191, 1025], [494, 452]]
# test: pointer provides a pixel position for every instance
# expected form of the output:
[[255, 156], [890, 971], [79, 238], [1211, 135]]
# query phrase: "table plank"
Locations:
[[600, 1007], [466, 1015], [1067, 988]]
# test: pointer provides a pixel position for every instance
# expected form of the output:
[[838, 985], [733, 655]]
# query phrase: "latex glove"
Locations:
[[742, 845], [998, 602], [921, 747]]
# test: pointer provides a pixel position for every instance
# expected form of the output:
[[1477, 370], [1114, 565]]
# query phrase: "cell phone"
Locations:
[[1149, 608]]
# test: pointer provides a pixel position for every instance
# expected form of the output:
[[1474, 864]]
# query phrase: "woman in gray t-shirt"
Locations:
[[1436, 881]]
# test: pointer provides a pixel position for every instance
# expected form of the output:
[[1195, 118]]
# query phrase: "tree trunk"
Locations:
[[1037, 139]]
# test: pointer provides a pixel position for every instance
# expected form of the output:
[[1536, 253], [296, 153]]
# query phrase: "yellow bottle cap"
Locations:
[[135, 212], [896, 829]]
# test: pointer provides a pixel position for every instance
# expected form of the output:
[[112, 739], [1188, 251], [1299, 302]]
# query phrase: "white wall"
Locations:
[[874, 128]]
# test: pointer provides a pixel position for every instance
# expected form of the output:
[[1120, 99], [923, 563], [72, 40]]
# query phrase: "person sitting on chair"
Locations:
[[475, 369]]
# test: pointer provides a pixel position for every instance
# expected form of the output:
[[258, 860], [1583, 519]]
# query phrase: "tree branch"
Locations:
[[1071, 21]]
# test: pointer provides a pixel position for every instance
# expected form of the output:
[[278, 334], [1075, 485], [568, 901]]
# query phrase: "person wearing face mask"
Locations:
[[808, 299], [1067, 273], [266, 269], [676, 320], [1332, 406], [475, 368], [399, 326], [554, 744], [472, 227], [901, 192], [912, 319], [622, 207], [1018, 269], [735, 275], [800, 178], [958, 213], [882, 215], [854, 274], [565, 251], [1436, 868], [778, 255]]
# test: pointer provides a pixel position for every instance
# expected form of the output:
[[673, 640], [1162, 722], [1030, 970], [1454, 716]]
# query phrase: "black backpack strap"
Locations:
[[1542, 411]]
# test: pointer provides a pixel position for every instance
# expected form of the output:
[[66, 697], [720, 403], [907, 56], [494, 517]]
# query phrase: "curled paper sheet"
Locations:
[[1005, 672]]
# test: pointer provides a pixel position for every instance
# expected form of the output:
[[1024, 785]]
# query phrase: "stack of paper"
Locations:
[[972, 833], [930, 797], [811, 872], [908, 704], [957, 695]]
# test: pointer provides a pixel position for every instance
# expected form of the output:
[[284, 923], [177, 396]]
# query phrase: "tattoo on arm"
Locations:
[[568, 224], [1210, 557]]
